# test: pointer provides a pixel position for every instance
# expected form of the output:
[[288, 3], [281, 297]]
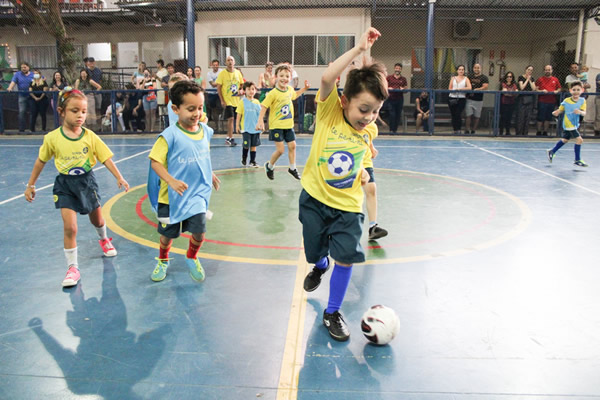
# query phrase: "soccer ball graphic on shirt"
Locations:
[[340, 163]]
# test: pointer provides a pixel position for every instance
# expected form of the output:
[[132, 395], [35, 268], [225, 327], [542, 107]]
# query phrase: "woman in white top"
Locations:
[[457, 100]]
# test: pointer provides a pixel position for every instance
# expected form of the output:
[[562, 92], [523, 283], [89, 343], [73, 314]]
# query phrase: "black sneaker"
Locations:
[[550, 155], [232, 142], [375, 232], [244, 162], [336, 326], [228, 141], [294, 173], [270, 172], [313, 279], [253, 164]]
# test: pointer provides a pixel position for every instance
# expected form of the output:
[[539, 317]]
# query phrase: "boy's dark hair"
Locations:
[[182, 88], [370, 78], [161, 62], [247, 84], [170, 65], [575, 83]]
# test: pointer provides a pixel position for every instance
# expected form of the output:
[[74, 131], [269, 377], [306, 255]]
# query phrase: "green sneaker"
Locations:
[[160, 272], [196, 270], [580, 163]]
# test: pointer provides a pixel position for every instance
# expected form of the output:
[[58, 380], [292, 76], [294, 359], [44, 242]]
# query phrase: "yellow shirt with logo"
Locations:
[[231, 83], [334, 167], [281, 114], [160, 153], [368, 163], [74, 156]]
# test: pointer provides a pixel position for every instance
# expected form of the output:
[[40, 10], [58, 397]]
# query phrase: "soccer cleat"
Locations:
[[294, 173], [270, 172], [196, 270], [550, 155], [160, 271], [336, 326], [72, 277], [253, 164], [313, 279], [107, 247], [375, 232], [580, 163], [244, 162]]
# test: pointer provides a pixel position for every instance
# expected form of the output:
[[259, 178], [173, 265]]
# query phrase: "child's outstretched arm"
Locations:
[[558, 111], [337, 67], [161, 171], [112, 167], [304, 89], [35, 174]]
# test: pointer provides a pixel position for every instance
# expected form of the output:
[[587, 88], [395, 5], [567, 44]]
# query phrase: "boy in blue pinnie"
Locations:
[[574, 108], [181, 179], [247, 117]]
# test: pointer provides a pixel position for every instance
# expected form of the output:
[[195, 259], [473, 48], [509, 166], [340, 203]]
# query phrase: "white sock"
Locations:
[[71, 255], [270, 166], [293, 166], [102, 232]]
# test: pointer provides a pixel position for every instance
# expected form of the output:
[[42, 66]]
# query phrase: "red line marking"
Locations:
[[138, 210]]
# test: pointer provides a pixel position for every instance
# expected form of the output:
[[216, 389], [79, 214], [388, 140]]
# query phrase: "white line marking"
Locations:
[[533, 169], [95, 169]]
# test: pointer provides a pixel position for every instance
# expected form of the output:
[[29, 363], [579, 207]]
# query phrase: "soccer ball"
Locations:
[[380, 324], [340, 163]]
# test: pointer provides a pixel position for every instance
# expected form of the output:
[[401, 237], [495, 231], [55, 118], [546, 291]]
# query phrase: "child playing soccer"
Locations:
[[180, 157], [330, 206], [281, 119], [574, 108], [75, 150], [247, 112]]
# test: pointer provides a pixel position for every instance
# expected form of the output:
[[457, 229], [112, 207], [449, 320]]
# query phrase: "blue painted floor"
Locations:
[[507, 308]]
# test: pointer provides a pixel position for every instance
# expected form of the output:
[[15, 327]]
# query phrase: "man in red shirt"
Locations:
[[395, 101], [546, 102]]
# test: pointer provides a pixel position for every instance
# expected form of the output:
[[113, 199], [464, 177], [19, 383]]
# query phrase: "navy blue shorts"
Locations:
[[194, 224], [229, 112], [76, 192], [250, 139], [545, 111], [327, 230], [371, 174], [572, 134], [279, 135]]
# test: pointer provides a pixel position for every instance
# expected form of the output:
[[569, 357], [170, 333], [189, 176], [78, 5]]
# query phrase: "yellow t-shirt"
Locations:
[[334, 166], [231, 83], [368, 162], [160, 153], [281, 114], [74, 156]]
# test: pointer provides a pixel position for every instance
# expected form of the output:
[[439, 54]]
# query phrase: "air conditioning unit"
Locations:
[[466, 29]]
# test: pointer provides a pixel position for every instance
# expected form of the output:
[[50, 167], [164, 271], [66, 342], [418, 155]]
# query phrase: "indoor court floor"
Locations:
[[491, 264]]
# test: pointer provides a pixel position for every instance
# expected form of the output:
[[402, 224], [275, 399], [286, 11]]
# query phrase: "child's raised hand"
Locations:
[[29, 194], [306, 84], [368, 38], [123, 184], [216, 182], [178, 186]]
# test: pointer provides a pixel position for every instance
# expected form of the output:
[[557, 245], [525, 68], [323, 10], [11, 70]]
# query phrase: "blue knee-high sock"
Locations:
[[558, 145], [340, 278], [323, 263], [577, 152]]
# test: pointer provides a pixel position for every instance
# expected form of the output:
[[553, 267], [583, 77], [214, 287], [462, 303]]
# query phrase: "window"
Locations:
[[331, 47], [257, 50], [100, 51], [42, 56], [305, 50], [221, 48], [280, 49]]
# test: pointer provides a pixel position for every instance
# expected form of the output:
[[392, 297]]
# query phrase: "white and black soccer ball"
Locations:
[[340, 163], [380, 324]]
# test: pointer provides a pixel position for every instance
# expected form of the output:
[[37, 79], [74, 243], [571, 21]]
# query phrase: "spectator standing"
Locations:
[[597, 103], [198, 77], [507, 102], [457, 99], [161, 71], [59, 82], [85, 83], [213, 106], [395, 101], [95, 74], [164, 82], [22, 80], [189, 72], [474, 103], [526, 83], [138, 75], [37, 91], [550, 85], [573, 74], [149, 100], [229, 82], [266, 79]]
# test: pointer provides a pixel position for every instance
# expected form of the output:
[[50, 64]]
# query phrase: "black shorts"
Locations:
[[371, 174], [250, 139], [279, 135], [327, 230], [229, 112], [194, 224], [571, 134], [76, 192]]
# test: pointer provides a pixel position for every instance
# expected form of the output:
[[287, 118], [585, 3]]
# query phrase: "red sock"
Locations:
[[193, 249], [163, 254]]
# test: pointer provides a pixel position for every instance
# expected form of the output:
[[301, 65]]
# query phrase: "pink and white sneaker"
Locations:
[[72, 277], [107, 247]]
